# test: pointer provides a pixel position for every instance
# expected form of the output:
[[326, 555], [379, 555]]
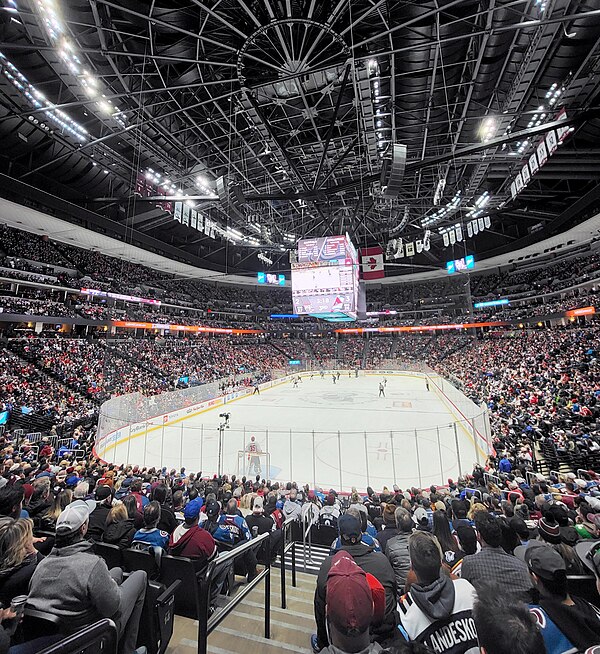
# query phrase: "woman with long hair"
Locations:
[[119, 527], [131, 505], [60, 501], [18, 558], [452, 553]]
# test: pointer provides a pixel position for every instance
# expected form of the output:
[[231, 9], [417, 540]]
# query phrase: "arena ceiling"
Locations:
[[275, 117]]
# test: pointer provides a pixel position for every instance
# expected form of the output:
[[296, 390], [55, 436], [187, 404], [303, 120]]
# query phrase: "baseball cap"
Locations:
[[542, 560], [419, 515], [349, 527], [212, 508], [192, 509], [349, 598], [102, 492], [74, 515], [589, 553]]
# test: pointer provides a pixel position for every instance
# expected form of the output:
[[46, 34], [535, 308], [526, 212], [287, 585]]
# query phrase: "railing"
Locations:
[[286, 532], [101, 634], [205, 624]]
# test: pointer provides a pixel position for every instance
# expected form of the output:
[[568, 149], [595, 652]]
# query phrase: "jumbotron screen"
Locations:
[[325, 278]]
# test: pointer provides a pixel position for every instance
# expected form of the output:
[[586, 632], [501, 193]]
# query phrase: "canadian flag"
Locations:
[[372, 263]]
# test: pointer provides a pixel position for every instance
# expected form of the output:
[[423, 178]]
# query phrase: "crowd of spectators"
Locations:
[[415, 567]]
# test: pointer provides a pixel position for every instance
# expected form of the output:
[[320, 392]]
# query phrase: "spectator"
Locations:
[[349, 609], [230, 530], [75, 584], [104, 499], [437, 611], [493, 565], [150, 535], [61, 500], [132, 511], [390, 525], [558, 612], [292, 508], [329, 513], [371, 562], [505, 627], [451, 552], [366, 538], [18, 557], [119, 529], [191, 541], [11, 501], [397, 547], [167, 517]]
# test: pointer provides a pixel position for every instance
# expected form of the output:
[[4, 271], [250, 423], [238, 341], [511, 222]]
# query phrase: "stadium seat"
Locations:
[[323, 535], [140, 560], [111, 554], [187, 595], [156, 624], [38, 624]]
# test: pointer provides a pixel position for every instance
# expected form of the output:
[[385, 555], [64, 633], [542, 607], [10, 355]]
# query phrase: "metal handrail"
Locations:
[[94, 633], [205, 624], [286, 529], [306, 535]]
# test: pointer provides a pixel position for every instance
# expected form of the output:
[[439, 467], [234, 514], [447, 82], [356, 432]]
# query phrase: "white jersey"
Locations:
[[253, 448]]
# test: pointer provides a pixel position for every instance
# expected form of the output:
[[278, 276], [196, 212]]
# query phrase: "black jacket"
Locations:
[[120, 533], [374, 563], [98, 522], [168, 521], [15, 581]]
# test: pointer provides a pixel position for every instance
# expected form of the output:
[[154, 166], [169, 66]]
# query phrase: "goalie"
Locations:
[[252, 452]]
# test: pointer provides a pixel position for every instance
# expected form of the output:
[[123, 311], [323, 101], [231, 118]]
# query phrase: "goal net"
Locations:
[[250, 464]]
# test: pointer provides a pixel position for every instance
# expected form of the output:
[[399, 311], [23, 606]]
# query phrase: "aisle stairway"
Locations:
[[243, 630]]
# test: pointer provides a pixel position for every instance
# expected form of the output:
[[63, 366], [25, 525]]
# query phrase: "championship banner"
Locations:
[[410, 249], [419, 245], [371, 260], [446, 239], [452, 235], [470, 229], [459, 233], [487, 221]]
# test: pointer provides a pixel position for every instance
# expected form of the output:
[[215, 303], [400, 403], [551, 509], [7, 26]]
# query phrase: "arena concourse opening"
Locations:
[[299, 344]]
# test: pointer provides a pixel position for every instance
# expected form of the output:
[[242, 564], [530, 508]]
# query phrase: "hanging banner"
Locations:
[[470, 229], [519, 182], [200, 227], [481, 224], [562, 132], [513, 190], [525, 176], [551, 142], [487, 221], [452, 237], [533, 164], [419, 245], [177, 213], [410, 249], [427, 244], [475, 227], [446, 239], [194, 219], [542, 153], [459, 233]]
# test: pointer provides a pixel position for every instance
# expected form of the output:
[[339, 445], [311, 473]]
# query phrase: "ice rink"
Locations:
[[332, 435]]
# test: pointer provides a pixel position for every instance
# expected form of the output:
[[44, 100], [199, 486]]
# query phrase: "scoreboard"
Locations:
[[325, 279]]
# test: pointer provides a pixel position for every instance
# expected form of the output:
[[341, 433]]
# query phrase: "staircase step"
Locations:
[[290, 628]]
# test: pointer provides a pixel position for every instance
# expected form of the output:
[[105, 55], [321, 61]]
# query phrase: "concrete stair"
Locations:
[[243, 629]]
